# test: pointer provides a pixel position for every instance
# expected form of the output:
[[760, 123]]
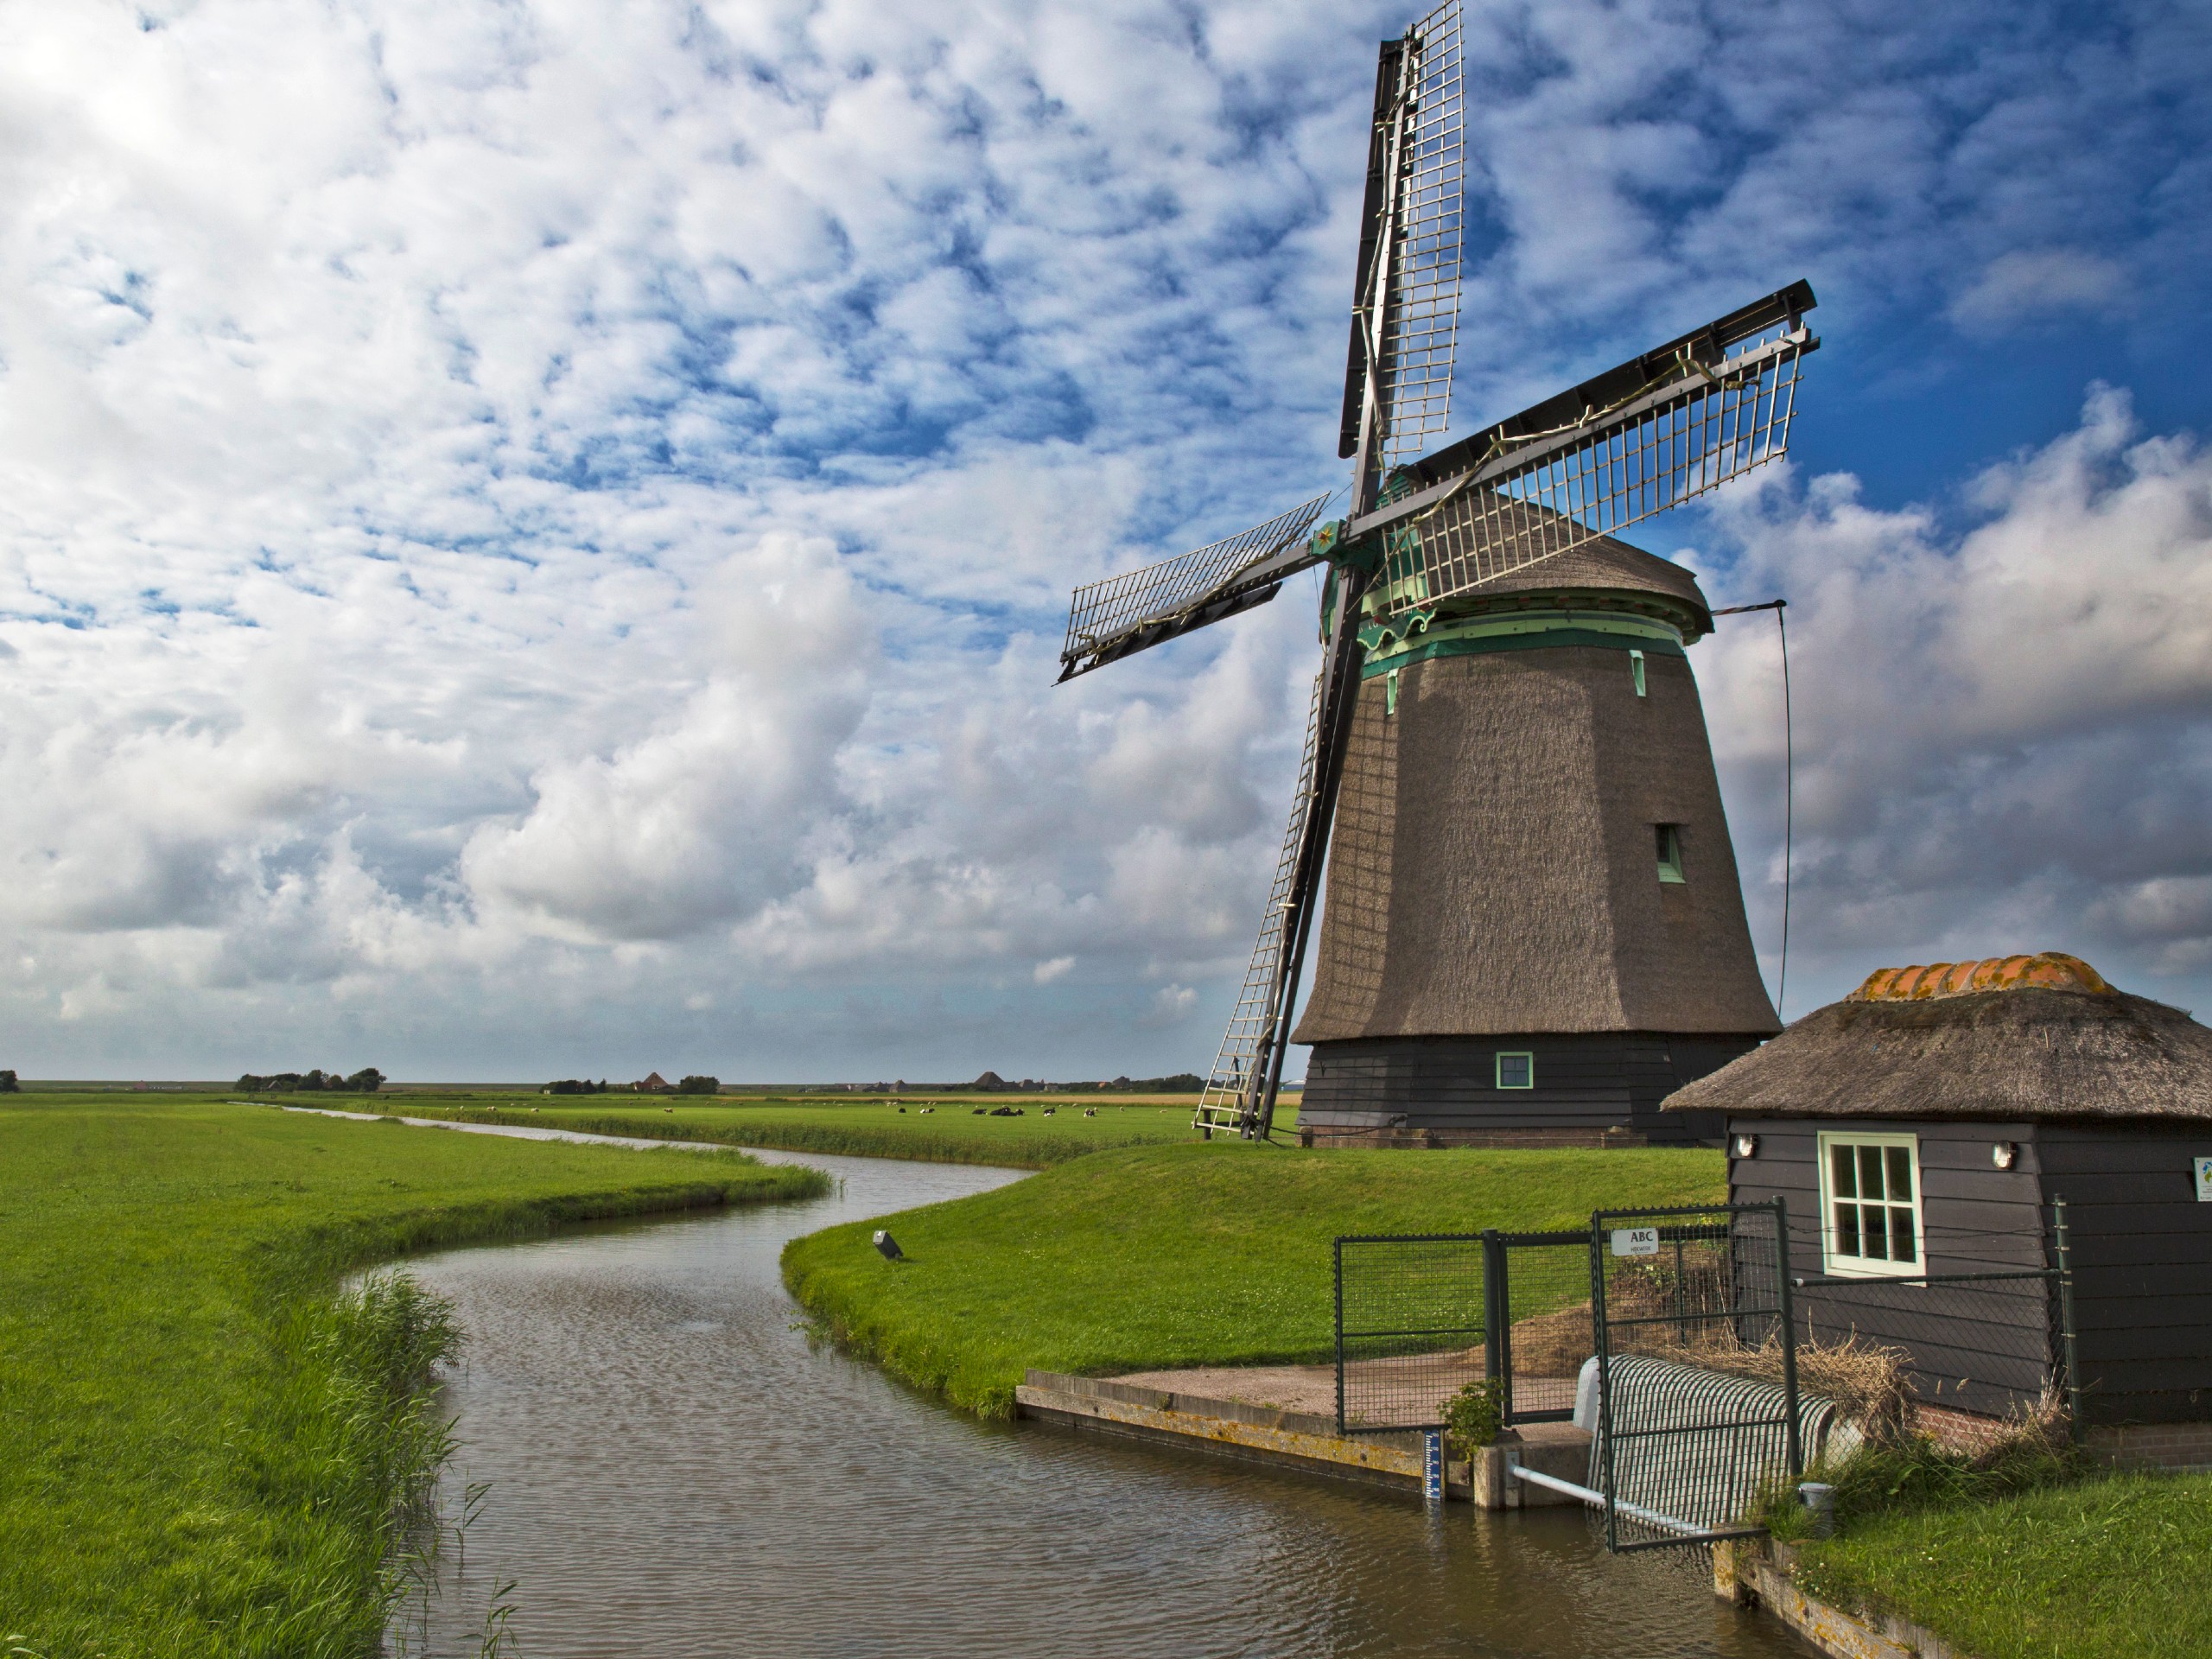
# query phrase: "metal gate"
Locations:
[[1639, 1328], [1419, 1316], [1695, 1371]]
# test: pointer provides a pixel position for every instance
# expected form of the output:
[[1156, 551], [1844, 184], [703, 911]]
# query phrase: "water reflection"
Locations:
[[675, 1470]]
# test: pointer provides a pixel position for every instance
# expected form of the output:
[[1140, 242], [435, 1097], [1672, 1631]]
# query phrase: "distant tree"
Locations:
[[366, 1081], [570, 1086], [696, 1086], [8, 1084]]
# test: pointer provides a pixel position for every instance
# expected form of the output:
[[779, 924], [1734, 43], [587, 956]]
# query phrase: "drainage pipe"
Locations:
[[1597, 1501]]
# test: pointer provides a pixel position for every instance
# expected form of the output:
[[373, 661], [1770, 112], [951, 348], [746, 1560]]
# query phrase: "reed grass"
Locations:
[[209, 1450]]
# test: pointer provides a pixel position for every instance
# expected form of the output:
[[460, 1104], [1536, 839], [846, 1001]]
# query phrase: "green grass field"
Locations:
[[203, 1442], [1158, 1256], [955, 1131], [2111, 1568]]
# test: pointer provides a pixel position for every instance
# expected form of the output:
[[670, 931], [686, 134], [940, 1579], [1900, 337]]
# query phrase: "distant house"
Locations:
[[652, 1082]]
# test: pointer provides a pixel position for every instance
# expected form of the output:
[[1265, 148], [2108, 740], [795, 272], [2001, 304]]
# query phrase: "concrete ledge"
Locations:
[[1751, 1574], [1558, 1449], [1300, 1440]]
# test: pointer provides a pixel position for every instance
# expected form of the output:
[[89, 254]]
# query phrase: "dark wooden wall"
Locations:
[[1584, 1082], [2142, 1250], [1984, 1349]]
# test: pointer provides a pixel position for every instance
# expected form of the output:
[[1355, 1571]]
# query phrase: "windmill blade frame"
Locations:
[[1653, 433], [1120, 615], [1406, 294], [1241, 1091]]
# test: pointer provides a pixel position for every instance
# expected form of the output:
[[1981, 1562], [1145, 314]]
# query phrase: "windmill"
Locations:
[[1441, 559]]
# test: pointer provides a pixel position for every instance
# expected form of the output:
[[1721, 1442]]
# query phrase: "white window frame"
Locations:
[[1505, 1054], [1860, 1266]]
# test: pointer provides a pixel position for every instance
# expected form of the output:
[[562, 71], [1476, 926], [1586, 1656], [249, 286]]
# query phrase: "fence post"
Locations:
[[1340, 1337], [1788, 1336], [2066, 1318], [1604, 1372], [1497, 1324]]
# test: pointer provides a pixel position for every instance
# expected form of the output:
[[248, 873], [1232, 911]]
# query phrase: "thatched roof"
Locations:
[[2042, 1036], [1492, 868]]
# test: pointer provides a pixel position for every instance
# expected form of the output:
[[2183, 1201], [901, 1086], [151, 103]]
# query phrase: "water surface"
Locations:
[[674, 1468]]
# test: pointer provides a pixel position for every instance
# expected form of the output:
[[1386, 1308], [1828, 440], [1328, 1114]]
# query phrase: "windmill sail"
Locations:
[[1240, 1070], [1122, 615], [1646, 436], [1406, 303]]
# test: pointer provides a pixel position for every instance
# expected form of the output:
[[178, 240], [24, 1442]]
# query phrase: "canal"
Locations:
[[660, 1462]]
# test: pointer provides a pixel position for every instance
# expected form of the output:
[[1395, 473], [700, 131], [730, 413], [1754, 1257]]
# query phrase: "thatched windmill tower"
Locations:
[[1533, 927], [1505, 691]]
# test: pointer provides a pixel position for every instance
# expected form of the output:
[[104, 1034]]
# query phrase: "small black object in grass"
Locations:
[[889, 1246]]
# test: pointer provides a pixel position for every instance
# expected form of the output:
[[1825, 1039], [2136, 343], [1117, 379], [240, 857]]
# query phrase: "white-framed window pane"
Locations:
[[1899, 1159], [1870, 1196]]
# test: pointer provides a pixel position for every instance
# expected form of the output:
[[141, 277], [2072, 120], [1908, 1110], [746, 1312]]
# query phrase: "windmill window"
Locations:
[[1635, 668], [1670, 852], [1517, 1071], [1870, 1204]]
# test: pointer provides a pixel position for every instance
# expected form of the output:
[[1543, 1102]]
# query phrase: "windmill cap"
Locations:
[[2048, 970]]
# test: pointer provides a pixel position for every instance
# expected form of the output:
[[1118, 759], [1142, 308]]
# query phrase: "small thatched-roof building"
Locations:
[[1926, 1126]]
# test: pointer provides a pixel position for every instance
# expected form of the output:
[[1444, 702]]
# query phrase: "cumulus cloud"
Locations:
[[537, 541], [2003, 727]]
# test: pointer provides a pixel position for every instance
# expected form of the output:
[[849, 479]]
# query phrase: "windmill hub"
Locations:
[[1533, 923]]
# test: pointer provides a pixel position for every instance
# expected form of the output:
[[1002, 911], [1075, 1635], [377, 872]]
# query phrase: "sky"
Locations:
[[535, 537]]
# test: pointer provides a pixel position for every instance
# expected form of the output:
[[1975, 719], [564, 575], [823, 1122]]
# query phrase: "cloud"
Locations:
[[2024, 284], [2004, 730], [537, 543]]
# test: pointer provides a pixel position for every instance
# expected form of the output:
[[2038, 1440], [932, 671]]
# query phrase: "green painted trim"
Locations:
[[1607, 630], [1503, 1055]]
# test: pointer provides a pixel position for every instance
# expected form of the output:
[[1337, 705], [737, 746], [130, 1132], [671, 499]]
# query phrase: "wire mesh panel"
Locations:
[[1416, 1314], [1691, 431], [1545, 1335], [1102, 611], [1420, 321], [1410, 1328], [1692, 1305]]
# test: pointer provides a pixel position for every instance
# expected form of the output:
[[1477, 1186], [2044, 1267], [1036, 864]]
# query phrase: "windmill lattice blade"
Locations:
[[1244, 1044], [1110, 619], [1420, 326], [1558, 491]]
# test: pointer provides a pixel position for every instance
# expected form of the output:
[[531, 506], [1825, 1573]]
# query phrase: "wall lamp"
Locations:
[[1746, 1145], [2004, 1154]]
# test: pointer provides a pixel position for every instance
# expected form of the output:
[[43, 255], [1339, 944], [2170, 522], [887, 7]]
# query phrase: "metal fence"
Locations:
[[1681, 1339], [1420, 1316], [1691, 1307]]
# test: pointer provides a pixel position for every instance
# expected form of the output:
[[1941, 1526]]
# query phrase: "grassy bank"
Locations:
[[2033, 1557], [1179, 1255], [204, 1443], [959, 1130]]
